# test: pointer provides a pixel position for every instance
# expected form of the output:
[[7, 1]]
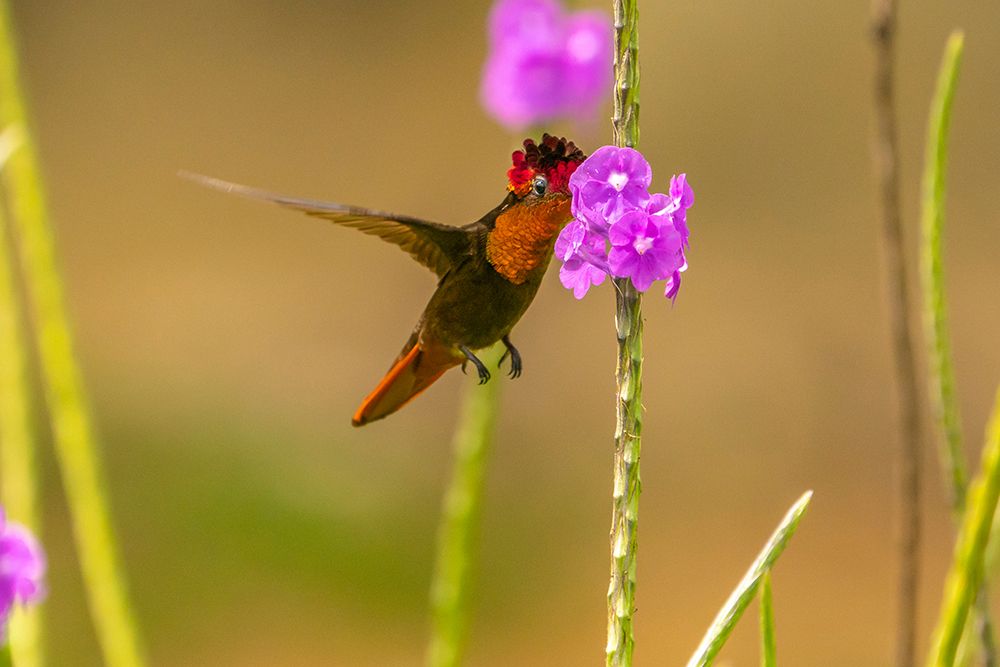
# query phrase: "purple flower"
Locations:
[[587, 55], [517, 88], [675, 205], [681, 192], [22, 566], [584, 258], [674, 283], [681, 199], [610, 182], [532, 24], [544, 63], [644, 249], [578, 275], [612, 205]]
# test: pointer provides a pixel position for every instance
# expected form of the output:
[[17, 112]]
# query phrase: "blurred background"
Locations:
[[226, 343]]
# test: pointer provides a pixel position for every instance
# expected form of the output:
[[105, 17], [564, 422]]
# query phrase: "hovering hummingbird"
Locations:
[[488, 271]]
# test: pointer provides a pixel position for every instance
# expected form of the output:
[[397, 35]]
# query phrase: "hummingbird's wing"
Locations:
[[436, 246]]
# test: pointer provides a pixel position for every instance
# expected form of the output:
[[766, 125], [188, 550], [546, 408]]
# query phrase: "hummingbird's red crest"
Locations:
[[554, 158], [488, 271]]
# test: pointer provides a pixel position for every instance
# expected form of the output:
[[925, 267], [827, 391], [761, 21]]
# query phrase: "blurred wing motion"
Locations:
[[436, 246]]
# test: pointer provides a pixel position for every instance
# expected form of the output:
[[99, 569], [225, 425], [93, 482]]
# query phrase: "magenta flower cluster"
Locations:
[[22, 567], [619, 228], [545, 63]]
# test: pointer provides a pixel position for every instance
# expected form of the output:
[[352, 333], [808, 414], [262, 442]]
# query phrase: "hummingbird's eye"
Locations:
[[539, 185]]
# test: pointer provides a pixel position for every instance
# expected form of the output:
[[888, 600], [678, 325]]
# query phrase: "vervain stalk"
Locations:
[[628, 375], [460, 514], [73, 432], [19, 487], [886, 158]]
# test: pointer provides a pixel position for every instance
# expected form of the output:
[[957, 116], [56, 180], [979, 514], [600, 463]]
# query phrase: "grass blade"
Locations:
[[942, 376], [966, 572], [18, 442], [768, 646], [742, 595], [942, 392], [73, 433]]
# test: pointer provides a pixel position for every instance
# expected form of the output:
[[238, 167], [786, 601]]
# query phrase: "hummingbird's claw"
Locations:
[[484, 374], [515, 358]]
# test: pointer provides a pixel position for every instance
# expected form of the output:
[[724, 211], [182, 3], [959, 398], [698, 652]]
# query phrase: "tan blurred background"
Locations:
[[227, 343]]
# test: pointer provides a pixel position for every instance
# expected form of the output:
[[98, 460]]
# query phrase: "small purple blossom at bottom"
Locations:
[[22, 568], [579, 276], [584, 258]]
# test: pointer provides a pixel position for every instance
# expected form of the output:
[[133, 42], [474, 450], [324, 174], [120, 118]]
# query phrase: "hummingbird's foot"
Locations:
[[515, 358], [484, 374]]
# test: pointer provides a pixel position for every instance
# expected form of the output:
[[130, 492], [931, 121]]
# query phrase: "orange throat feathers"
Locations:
[[523, 236]]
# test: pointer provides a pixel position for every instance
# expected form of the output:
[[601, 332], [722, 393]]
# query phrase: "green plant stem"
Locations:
[[457, 534], [628, 375], [18, 471], [943, 396], [725, 621], [966, 574], [886, 159], [978, 643], [768, 645], [987, 637], [625, 118], [627, 484], [944, 403], [73, 433]]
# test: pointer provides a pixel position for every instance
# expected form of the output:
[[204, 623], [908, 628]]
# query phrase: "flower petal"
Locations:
[[544, 63]]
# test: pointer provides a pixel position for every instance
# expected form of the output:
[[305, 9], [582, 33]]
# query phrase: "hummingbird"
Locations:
[[488, 271]]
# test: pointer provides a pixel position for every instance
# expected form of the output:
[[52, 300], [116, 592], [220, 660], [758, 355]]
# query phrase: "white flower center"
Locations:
[[642, 244], [618, 180]]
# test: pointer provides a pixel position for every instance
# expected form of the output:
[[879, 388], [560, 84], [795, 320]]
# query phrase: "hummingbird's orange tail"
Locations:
[[415, 370]]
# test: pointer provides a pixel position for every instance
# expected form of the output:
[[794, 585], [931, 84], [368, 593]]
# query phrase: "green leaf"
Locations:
[[5, 660], [941, 374], [966, 573], [768, 647], [725, 621]]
